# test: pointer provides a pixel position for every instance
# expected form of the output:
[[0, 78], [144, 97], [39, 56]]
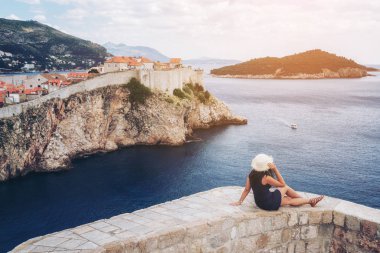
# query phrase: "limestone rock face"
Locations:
[[47, 137]]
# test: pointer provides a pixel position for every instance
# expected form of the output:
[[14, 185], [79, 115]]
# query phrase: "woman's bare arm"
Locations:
[[280, 182], [244, 194]]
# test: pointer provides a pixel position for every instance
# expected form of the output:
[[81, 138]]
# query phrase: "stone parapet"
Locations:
[[205, 222]]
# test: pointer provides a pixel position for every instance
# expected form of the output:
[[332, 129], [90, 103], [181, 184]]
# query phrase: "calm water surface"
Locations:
[[335, 151]]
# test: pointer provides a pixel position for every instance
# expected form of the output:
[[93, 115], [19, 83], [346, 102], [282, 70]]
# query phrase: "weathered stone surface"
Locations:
[[262, 241], [369, 228], [225, 228], [309, 232], [352, 223], [339, 218], [315, 217], [303, 218]]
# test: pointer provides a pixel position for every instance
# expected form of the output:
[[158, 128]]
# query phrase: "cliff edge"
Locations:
[[48, 135]]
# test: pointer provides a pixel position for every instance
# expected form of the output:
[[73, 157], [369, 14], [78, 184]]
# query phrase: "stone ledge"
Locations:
[[205, 222]]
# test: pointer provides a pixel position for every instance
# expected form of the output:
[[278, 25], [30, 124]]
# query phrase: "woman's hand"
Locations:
[[237, 203], [272, 166]]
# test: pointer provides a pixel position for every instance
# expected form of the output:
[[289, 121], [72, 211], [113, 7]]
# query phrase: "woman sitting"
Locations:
[[261, 179]]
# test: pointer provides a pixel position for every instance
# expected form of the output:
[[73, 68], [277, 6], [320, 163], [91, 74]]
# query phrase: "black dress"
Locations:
[[264, 198]]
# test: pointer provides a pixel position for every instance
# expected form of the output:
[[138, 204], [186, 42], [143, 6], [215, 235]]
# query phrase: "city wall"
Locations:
[[164, 80], [205, 222]]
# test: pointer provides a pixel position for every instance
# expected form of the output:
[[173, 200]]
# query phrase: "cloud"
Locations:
[[13, 16], [40, 18], [30, 1], [236, 29]]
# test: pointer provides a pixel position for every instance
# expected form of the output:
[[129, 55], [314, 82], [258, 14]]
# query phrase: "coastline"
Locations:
[[274, 77]]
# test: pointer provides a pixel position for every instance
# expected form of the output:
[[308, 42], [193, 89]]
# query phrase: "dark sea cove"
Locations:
[[335, 151]]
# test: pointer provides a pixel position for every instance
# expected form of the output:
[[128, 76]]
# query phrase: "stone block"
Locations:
[[368, 228], [352, 223], [171, 237], [296, 233], [313, 246], [50, 241], [233, 233], [223, 249], [315, 217], [262, 241], [279, 221], [254, 227], [148, 244], [309, 232], [219, 239], [291, 247], [114, 247], [197, 230], [327, 217], [275, 237], [286, 235], [300, 247], [325, 230], [293, 219], [242, 229], [71, 244], [303, 218], [339, 218]]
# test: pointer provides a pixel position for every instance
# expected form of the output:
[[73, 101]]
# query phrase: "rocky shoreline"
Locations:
[[48, 136], [326, 74]]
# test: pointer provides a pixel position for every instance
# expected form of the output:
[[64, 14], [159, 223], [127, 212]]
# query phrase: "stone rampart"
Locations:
[[205, 222], [165, 80]]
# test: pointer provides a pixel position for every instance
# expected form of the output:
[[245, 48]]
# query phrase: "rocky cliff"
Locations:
[[48, 136]]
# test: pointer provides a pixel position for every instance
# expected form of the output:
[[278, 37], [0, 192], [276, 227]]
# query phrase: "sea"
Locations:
[[335, 151]]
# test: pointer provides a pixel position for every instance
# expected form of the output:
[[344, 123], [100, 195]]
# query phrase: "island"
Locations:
[[312, 64]]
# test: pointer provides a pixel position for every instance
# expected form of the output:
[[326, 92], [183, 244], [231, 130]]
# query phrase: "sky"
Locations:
[[229, 29]]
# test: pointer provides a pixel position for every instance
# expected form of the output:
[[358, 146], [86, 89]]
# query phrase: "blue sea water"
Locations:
[[335, 151]]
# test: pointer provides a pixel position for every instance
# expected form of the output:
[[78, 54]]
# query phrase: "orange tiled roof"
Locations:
[[134, 63], [78, 74], [146, 60], [119, 59], [175, 60]]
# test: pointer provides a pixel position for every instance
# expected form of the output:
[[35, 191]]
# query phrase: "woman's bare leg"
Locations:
[[300, 201], [286, 190], [292, 193], [294, 201]]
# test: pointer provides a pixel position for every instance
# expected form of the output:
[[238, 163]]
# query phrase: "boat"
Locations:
[[293, 126]]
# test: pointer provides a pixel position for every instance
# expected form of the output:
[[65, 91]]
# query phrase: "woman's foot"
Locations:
[[314, 201]]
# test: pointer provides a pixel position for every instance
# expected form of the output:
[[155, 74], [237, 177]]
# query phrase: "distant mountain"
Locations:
[[122, 49], [207, 60], [310, 64], [44, 47]]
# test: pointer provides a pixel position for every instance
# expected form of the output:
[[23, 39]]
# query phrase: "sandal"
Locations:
[[314, 201]]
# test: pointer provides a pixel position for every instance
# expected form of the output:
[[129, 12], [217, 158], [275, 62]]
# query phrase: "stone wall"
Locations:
[[166, 80], [205, 222]]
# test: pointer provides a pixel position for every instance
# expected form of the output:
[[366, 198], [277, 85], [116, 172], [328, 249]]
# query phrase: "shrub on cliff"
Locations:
[[179, 93], [138, 92]]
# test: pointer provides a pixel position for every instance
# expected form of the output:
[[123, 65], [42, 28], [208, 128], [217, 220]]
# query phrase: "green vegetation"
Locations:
[[309, 62], [139, 92], [179, 93], [169, 100], [198, 91], [31, 41]]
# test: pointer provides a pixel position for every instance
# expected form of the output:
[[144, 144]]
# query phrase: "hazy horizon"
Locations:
[[240, 30]]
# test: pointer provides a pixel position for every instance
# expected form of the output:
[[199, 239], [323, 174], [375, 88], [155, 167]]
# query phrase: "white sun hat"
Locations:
[[260, 162]]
